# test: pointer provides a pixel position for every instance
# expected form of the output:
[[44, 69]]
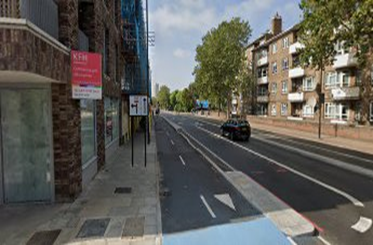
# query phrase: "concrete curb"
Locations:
[[283, 216]]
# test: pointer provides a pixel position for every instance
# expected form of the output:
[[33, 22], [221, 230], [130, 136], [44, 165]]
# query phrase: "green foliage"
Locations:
[[164, 97], [219, 60], [154, 101], [327, 22], [173, 98]]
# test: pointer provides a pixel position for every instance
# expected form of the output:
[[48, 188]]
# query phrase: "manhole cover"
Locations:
[[134, 227], [93, 228], [123, 190], [44, 237]]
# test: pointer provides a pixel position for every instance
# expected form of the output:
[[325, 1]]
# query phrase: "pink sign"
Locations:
[[86, 75]]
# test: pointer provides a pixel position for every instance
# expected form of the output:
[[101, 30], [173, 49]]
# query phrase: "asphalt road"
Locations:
[[312, 178], [191, 185]]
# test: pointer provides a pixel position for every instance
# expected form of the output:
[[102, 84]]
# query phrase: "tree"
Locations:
[[164, 97], [173, 98], [219, 59], [327, 22]]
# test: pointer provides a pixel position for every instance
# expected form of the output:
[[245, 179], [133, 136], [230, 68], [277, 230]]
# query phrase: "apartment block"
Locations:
[[53, 145], [288, 91]]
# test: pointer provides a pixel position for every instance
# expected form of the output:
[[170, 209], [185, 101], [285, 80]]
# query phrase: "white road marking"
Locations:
[[208, 207], [323, 240], [291, 241], [269, 135], [363, 225], [172, 142], [182, 160], [226, 199], [355, 201]]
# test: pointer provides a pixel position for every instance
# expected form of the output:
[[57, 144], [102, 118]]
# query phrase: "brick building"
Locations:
[[287, 91], [53, 145]]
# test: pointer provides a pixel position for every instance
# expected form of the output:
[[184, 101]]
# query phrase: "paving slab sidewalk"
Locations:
[[120, 206]]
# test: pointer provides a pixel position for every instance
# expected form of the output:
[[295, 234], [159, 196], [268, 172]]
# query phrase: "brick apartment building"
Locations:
[[287, 91], [51, 144]]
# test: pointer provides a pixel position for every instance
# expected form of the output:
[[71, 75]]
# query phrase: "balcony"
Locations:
[[262, 99], [296, 97], [344, 61], [262, 61], [352, 93], [263, 80], [295, 48], [296, 72]]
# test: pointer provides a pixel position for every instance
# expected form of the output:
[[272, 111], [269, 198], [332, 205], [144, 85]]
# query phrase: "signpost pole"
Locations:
[[147, 71], [132, 138]]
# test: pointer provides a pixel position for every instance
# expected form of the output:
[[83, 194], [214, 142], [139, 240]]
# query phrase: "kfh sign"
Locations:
[[86, 75]]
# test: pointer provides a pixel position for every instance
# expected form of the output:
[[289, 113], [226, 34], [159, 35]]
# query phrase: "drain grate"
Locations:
[[93, 228], [44, 237], [123, 190]]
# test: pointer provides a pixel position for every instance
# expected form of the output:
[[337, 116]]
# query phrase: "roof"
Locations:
[[274, 38]]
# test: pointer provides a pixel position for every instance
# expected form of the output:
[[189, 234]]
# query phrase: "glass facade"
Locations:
[[111, 120], [88, 129]]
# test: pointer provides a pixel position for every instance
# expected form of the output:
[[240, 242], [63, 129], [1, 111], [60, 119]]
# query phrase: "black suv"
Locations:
[[236, 129]]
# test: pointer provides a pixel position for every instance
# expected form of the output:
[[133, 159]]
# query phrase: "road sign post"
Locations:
[[138, 107]]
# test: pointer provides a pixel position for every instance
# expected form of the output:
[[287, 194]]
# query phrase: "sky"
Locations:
[[179, 26]]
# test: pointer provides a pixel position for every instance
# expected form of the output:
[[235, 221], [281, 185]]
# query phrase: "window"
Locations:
[[296, 62], [262, 54], [285, 42], [273, 110], [262, 91], [285, 64], [284, 109], [274, 48], [371, 75], [111, 119], [309, 84], [262, 110], [284, 89], [262, 72], [274, 88], [336, 111], [371, 112], [358, 78], [341, 48], [88, 129], [345, 79], [358, 111], [308, 111], [274, 67]]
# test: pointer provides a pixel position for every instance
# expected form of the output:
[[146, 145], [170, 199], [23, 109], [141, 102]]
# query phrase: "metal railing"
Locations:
[[42, 13]]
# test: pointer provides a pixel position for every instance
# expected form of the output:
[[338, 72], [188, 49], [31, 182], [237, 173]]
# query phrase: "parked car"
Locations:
[[236, 129]]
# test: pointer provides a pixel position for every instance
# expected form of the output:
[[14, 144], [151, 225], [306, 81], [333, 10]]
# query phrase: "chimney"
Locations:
[[276, 24]]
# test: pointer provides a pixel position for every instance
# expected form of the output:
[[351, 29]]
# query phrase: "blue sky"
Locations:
[[179, 26]]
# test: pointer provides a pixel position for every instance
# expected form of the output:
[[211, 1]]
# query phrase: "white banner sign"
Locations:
[[138, 106]]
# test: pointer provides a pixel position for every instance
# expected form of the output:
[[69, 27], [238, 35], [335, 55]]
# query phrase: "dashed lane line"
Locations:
[[208, 207]]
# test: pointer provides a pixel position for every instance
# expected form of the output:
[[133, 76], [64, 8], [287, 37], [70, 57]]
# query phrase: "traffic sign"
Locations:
[[138, 106]]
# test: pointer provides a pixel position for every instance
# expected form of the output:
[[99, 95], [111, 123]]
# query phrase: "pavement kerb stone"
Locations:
[[283, 216]]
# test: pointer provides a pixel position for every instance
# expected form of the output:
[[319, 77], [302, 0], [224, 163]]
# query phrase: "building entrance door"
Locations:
[[26, 155]]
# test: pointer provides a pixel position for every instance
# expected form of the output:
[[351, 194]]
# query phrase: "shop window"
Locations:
[[88, 129], [274, 88], [309, 84], [274, 67], [273, 110], [284, 89], [111, 120], [284, 109]]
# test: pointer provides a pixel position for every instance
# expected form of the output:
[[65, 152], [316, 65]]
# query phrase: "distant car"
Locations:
[[236, 129]]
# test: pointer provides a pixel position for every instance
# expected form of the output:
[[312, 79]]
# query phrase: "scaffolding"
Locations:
[[134, 47]]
